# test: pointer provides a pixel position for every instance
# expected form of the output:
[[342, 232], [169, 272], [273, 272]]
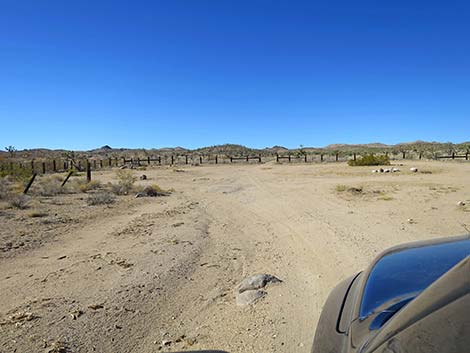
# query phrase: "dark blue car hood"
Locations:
[[400, 275]]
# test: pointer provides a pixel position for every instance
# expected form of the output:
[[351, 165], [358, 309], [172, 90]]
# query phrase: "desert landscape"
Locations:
[[85, 272]]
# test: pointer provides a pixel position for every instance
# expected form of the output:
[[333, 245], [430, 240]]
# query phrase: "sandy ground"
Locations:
[[158, 274]]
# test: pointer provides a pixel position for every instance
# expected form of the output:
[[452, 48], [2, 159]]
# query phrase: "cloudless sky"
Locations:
[[79, 74]]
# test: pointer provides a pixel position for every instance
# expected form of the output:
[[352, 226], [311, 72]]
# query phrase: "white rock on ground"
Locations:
[[414, 170], [249, 297], [248, 291]]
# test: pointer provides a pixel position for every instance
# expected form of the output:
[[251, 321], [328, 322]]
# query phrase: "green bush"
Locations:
[[370, 159], [125, 184], [16, 172]]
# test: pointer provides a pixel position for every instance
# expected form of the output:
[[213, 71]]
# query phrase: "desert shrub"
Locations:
[[370, 159], [16, 172], [100, 198], [49, 187], [84, 186], [20, 201], [5, 188], [341, 187], [125, 182]]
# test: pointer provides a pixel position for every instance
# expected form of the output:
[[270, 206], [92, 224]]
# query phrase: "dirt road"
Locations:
[[159, 274]]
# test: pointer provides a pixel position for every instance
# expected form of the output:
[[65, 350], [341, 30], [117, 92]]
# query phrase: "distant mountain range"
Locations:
[[240, 150]]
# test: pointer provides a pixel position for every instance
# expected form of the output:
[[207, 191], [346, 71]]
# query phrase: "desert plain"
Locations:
[[158, 274]]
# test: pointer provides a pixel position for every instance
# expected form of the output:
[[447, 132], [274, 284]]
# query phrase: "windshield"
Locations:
[[401, 273]]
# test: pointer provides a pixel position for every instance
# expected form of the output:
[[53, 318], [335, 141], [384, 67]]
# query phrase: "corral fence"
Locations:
[[43, 166]]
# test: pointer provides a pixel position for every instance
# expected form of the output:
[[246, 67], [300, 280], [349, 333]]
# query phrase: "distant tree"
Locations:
[[11, 150], [301, 151]]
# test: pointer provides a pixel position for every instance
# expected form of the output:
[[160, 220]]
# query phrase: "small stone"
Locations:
[[413, 170], [461, 203], [249, 297], [166, 343], [256, 282]]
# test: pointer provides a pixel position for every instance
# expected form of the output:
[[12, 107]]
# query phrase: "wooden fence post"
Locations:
[[247, 158], [94, 164], [354, 157], [186, 159], [289, 158], [466, 156], [79, 165], [43, 167], [420, 155], [54, 166], [277, 158], [148, 160], [67, 178], [200, 159], [101, 164], [32, 166], [337, 156], [453, 155], [305, 158], [116, 161], [259, 158], [216, 159], [404, 155], [29, 184], [172, 160], [66, 166], [88, 171], [231, 159], [321, 157]]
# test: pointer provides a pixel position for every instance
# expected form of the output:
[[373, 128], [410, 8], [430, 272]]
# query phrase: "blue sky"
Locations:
[[81, 74]]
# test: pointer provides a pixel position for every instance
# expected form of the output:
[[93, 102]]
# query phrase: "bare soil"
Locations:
[[159, 274]]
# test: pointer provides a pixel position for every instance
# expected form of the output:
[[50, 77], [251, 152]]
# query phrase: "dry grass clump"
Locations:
[[20, 201], [352, 190], [37, 214], [100, 198], [49, 187], [85, 186], [370, 159]]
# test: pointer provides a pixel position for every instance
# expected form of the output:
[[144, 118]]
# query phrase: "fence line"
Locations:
[[83, 164]]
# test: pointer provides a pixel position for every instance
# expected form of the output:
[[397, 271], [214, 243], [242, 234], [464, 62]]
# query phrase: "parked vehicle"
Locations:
[[413, 298]]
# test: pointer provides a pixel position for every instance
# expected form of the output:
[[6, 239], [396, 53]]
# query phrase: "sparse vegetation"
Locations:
[[100, 198], [20, 201], [370, 159], [341, 188], [125, 184], [84, 186], [385, 197], [37, 214], [16, 172], [49, 186], [5, 188]]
